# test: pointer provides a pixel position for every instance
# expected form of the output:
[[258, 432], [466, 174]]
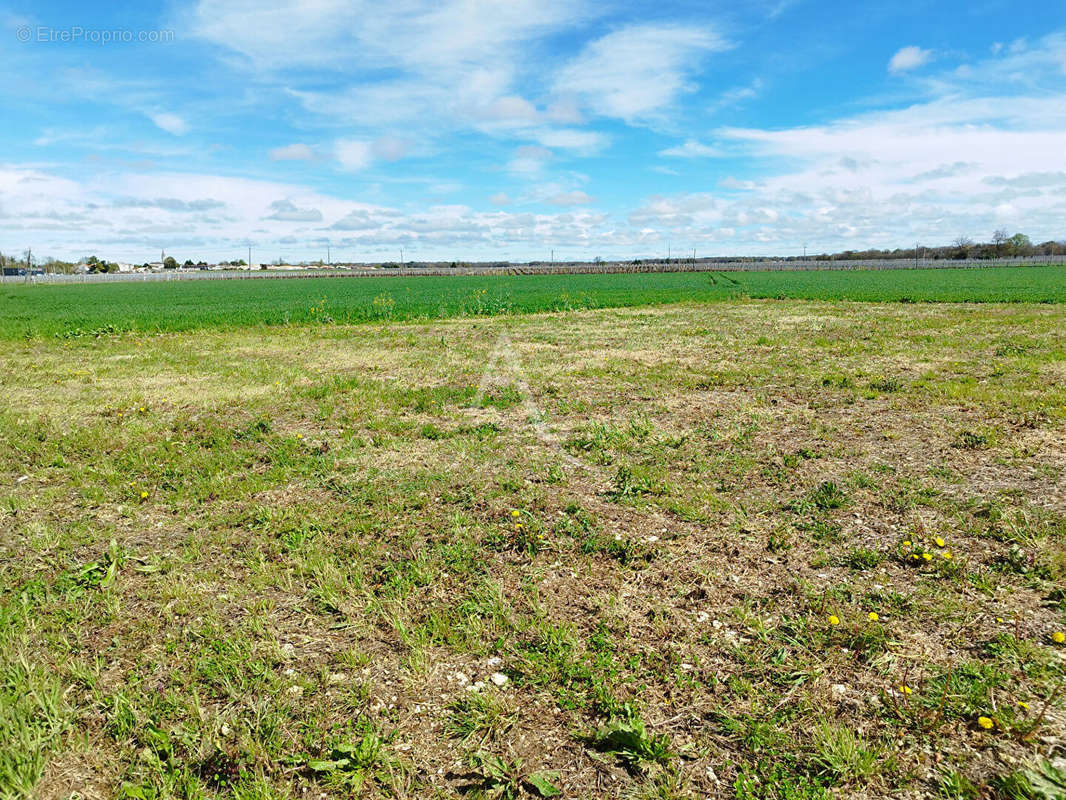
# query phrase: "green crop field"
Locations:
[[185, 305]]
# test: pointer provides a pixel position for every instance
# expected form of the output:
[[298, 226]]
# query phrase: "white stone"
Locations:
[[498, 678]]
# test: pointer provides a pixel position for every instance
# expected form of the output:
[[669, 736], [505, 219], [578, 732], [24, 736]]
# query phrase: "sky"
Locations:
[[515, 129]]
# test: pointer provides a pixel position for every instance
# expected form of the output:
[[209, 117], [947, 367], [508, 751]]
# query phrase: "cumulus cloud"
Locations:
[[171, 123], [287, 211], [577, 198], [353, 154], [358, 154], [583, 142], [908, 58], [292, 152], [691, 149], [529, 160]]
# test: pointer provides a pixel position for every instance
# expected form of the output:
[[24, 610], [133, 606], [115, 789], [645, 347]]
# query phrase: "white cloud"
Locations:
[[584, 142], [292, 152], [736, 95], [353, 154], [169, 122], [691, 149], [636, 72], [500, 199], [287, 211], [576, 198], [529, 160], [392, 148], [908, 58]]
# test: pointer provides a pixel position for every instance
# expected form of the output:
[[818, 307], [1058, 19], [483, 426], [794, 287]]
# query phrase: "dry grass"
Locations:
[[326, 557]]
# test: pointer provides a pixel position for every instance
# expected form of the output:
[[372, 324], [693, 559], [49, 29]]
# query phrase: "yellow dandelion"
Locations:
[[872, 616], [518, 526], [906, 542], [927, 556], [834, 619], [939, 541], [986, 723], [1058, 637], [1023, 705], [142, 409], [915, 557], [905, 689], [947, 555], [516, 513], [299, 436], [144, 495]]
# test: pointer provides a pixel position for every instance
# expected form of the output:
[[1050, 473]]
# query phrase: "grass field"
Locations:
[[744, 549], [185, 305]]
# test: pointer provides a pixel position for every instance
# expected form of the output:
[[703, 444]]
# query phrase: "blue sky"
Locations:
[[480, 129]]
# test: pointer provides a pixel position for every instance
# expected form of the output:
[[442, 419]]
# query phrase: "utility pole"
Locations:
[[804, 251], [29, 260], [328, 259], [916, 255], [667, 252], [553, 257], [249, 256]]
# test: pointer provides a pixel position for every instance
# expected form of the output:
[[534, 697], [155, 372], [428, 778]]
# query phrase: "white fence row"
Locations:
[[615, 267]]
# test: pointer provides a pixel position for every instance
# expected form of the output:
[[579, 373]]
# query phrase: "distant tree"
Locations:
[[188, 263], [999, 238], [170, 263], [1019, 245], [962, 245]]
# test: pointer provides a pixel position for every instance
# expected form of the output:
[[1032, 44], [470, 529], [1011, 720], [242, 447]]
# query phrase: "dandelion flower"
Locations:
[[905, 689], [939, 541], [1024, 705], [1058, 637], [907, 543], [518, 526], [142, 409], [985, 723], [947, 555], [927, 556], [834, 619], [872, 616], [915, 557], [144, 495], [515, 512]]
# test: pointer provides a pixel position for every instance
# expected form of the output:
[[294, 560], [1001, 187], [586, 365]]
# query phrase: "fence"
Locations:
[[587, 268]]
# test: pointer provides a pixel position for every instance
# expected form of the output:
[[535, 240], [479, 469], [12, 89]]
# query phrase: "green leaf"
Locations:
[[541, 783], [325, 765]]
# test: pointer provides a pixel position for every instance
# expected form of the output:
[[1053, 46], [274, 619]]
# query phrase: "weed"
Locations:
[[627, 738], [491, 776]]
